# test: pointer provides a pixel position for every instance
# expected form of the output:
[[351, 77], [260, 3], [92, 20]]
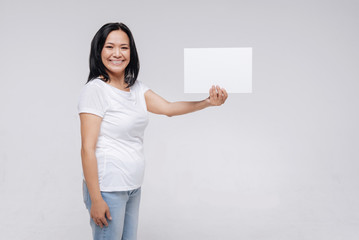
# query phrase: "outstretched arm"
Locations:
[[157, 104]]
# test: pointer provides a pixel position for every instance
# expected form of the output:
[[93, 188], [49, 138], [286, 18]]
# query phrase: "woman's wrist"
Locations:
[[97, 199], [208, 102]]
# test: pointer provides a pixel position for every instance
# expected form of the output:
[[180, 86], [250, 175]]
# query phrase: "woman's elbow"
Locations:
[[87, 150], [168, 110]]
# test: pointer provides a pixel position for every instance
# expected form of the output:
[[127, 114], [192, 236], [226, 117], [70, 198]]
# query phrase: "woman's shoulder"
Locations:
[[141, 85], [96, 83], [95, 86], [93, 98]]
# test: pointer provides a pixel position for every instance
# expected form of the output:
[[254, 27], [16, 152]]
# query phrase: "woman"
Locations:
[[113, 110]]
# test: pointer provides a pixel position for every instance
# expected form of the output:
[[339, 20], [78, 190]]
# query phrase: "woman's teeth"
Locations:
[[116, 62]]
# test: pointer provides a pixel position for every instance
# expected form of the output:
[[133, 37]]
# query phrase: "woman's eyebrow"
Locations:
[[114, 44]]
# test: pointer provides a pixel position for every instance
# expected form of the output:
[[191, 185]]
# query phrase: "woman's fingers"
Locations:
[[99, 212], [97, 221], [101, 222], [211, 94], [225, 94], [220, 95], [217, 95], [104, 222], [108, 215]]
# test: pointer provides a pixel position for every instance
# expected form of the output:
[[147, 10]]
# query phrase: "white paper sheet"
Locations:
[[230, 68]]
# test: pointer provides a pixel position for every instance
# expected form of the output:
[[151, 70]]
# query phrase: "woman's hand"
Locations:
[[99, 212], [217, 96]]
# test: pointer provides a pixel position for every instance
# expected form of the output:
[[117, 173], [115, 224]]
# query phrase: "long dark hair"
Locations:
[[97, 68]]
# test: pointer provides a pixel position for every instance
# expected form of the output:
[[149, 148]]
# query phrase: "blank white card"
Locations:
[[230, 68]]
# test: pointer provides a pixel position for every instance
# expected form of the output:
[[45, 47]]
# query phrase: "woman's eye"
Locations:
[[108, 46], [125, 48]]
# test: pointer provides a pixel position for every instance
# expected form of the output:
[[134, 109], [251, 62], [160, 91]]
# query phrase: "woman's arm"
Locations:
[[157, 104], [90, 128]]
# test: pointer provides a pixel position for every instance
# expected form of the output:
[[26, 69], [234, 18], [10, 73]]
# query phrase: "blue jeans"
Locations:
[[124, 208]]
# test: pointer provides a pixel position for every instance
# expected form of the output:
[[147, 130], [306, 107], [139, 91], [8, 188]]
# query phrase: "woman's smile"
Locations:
[[116, 62], [115, 54]]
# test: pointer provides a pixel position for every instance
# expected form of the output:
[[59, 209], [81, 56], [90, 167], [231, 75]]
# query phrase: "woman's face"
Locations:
[[115, 54]]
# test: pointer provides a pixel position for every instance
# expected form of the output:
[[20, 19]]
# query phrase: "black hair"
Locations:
[[97, 68]]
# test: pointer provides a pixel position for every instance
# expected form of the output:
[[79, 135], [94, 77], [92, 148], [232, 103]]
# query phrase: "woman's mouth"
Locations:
[[116, 62]]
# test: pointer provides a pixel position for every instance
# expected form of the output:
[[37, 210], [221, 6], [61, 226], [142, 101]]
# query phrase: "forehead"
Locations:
[[117, 37]]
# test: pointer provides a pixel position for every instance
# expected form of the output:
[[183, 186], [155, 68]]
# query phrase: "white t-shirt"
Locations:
[[119, 150]]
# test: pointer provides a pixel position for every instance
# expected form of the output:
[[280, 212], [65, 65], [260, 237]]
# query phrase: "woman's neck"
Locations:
[[118, 82]]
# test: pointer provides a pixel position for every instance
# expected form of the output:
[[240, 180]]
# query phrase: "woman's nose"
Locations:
[[117, 52]]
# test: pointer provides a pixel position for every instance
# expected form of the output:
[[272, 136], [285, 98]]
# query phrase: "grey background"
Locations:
[[280, 163]]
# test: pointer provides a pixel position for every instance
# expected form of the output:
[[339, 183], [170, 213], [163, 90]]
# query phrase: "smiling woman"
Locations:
[[113, 110], [115, 54], [114, 41]]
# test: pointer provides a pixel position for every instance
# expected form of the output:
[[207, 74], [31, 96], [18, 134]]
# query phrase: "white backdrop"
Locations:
[[280, 163]]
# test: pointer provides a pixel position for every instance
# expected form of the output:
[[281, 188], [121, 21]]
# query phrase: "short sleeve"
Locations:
[[143, 87], [93, 100]]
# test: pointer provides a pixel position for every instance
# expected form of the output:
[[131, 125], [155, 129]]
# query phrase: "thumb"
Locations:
[[108, 215]]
